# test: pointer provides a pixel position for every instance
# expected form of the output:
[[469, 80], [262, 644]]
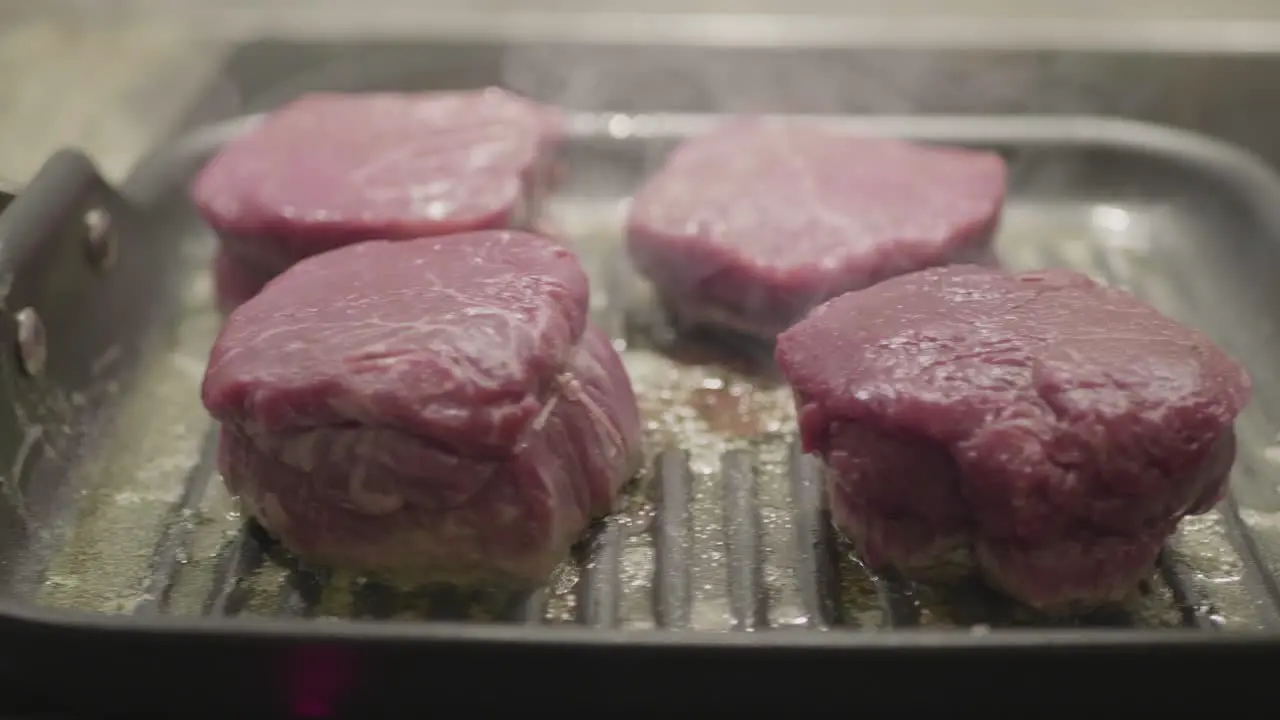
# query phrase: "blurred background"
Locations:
[[112, 77]]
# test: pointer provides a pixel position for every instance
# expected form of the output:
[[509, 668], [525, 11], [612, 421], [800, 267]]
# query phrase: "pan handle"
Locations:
[[67, 186], [59, 310]]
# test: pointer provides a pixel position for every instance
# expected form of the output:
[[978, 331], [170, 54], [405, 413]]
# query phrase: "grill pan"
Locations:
[[131, 582]]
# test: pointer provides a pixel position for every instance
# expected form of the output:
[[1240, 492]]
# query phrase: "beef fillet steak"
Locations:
[[1051, 430], [435, 409], [755, 223], [332, 169]]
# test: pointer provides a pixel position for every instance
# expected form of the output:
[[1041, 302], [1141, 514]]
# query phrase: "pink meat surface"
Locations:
[[1050, 428], [436, 406], [331, 169], [760, 220]]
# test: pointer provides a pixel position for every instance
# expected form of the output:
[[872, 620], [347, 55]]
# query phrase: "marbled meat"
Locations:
[[1050, 430], [436, 408], [330, 169], [758, 221]]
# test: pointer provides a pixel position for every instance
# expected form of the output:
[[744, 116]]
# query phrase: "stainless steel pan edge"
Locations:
[[1230, 161]]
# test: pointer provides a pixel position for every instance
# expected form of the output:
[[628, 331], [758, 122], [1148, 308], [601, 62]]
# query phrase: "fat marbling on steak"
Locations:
[[1051, 429], [436, 408], [330, 169], [754, 223]]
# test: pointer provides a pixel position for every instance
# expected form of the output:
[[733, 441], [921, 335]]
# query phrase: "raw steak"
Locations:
[[434, 408], [1050, 428], [331, 169], [755, 223]]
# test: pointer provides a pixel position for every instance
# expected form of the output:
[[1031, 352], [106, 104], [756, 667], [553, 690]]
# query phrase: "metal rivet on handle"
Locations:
[[102, 243], [32, 347]]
